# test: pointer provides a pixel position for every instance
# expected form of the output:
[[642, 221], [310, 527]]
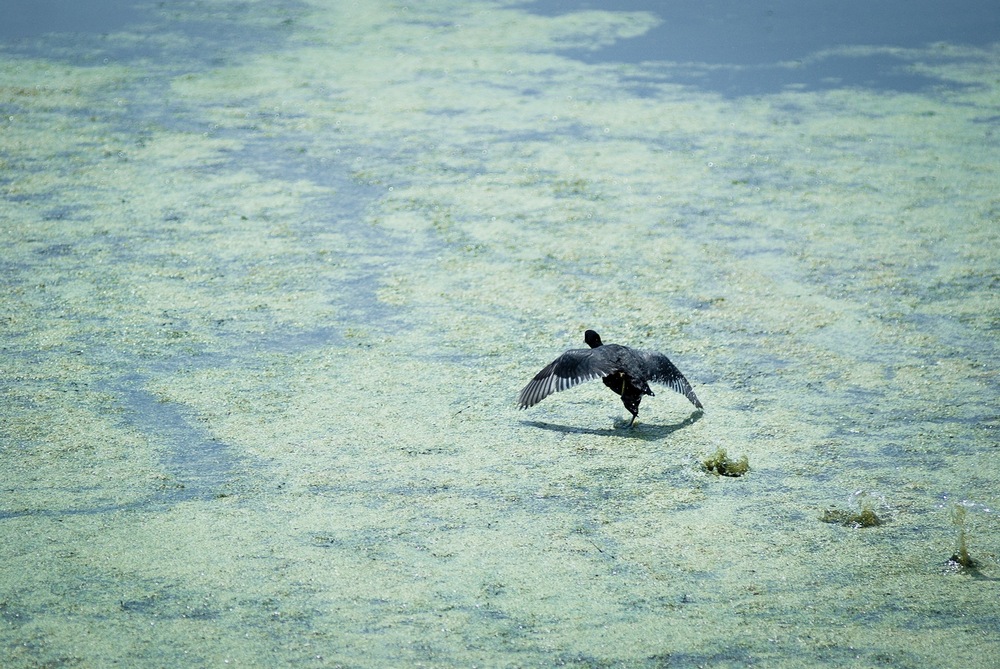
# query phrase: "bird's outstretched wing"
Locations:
[[660, 370], [570, 369]]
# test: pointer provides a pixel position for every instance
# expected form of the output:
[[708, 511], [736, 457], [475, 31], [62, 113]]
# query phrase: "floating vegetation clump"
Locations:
[[961, 558], [863, 516], [721, 464]]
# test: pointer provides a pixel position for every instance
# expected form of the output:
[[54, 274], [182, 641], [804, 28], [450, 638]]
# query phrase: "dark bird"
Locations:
[[625, 370]]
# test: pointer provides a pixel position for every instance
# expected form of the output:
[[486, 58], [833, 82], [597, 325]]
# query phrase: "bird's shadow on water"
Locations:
[[644, 431]]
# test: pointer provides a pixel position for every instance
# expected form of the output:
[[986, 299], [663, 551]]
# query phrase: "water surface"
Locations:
[[274, 275]]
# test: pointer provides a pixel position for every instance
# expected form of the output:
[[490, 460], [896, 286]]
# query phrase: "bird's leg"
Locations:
[[631, 400]]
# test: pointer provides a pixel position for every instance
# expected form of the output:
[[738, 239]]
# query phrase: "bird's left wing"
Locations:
[[571, 368]]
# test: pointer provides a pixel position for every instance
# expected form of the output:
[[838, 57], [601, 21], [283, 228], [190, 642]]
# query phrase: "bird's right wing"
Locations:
[[570, 369], [661, 370]]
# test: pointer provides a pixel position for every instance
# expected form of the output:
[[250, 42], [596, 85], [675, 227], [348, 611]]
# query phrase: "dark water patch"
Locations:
[[61, 213], [361, 308], [988, 120], [883, 73], [13, 616], [868, 456], [964, 335], [865, 396], [293, 341], [370, 250], [176, 36], [377, 493], [200, 466], [740, 49], [34, 18], [142, 505], [165, 606], [55, 250]]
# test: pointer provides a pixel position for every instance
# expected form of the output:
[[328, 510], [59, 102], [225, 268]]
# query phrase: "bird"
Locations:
[[626, 371]]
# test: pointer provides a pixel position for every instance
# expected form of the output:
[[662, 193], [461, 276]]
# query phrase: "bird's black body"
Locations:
[[624, 370]]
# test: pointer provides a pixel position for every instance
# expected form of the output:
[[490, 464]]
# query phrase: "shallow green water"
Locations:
[[268, 302]]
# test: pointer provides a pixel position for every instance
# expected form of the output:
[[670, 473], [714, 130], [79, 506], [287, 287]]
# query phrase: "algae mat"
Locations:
[[274, 275]]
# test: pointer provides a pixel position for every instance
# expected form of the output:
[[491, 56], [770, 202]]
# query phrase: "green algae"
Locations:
[[863, 513], [863, 518], [260, 361], [961, 558], [720, 464]]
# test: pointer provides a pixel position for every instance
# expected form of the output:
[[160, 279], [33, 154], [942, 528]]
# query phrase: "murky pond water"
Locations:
[[273, 275]]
